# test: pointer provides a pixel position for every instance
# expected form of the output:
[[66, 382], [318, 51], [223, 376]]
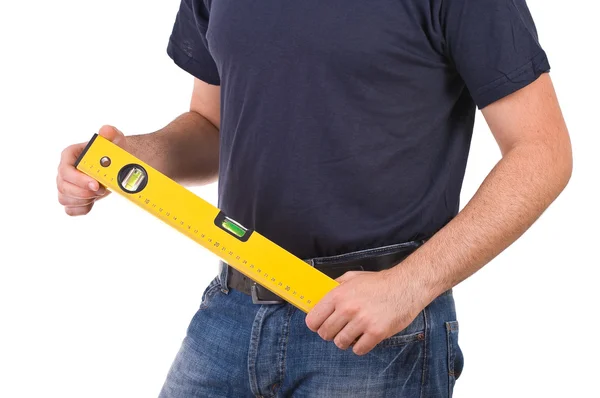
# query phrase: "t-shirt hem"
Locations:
[[190, 65], [513, 81]]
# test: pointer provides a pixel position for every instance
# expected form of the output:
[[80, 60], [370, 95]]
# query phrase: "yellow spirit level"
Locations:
[[244, 249]]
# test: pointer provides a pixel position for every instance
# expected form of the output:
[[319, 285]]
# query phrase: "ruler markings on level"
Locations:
[[255, 256]]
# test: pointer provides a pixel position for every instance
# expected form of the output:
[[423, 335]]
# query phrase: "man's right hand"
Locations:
[[78, 192]]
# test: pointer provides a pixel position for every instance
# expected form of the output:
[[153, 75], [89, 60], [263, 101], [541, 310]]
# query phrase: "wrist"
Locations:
[[148, 147], [424, 283]]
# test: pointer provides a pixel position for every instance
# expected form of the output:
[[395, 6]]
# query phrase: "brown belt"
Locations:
[[331, 266]]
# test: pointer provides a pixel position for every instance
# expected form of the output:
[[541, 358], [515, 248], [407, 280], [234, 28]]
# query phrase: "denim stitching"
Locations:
[[425, 347], [450, 359], [253, 349], [449, 342], [451, 329], [210, 291], [223, 275], [396, 341], [283, 348]]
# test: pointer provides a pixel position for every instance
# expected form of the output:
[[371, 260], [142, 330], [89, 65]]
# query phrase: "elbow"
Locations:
[[548, 163]]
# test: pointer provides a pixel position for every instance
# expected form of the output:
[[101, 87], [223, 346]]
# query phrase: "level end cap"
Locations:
[[89, 144]]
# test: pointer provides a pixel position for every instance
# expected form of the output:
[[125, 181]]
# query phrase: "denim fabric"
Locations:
[[234, 348]]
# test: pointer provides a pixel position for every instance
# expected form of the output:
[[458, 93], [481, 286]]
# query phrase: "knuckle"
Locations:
[[349, 309], [379, 333], [66, 152], [362, 318]]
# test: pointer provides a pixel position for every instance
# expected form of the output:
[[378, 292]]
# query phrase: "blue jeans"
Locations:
[[234, 348]]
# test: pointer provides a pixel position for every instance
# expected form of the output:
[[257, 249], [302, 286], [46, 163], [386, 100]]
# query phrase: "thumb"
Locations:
[[112, 134]]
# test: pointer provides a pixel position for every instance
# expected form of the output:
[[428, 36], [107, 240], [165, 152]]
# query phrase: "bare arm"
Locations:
[[535, 167], [187, 149]]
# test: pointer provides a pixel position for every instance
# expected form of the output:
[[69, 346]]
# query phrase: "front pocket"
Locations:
[[402, 339], [415, 331], [455, 356]]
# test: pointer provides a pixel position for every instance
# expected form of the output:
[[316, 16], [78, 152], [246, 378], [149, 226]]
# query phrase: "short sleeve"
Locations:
[[188, 46], [493, 45]]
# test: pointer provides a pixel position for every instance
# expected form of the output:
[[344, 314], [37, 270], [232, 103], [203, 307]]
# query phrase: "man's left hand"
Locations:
[[366, 308]]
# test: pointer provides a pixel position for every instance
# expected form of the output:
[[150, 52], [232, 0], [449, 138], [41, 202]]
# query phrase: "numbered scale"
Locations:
[[245, 250]]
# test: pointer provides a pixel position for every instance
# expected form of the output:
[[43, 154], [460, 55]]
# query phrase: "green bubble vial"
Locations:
[[234, 227], [133, 179]]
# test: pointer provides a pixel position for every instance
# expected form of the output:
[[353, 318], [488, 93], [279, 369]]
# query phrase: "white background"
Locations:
[[96, 306]]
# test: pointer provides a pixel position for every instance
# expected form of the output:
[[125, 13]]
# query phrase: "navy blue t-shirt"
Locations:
[[346, 124]]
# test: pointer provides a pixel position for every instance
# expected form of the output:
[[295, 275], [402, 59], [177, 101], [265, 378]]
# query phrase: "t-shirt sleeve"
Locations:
[[493, 45], [188, 46]]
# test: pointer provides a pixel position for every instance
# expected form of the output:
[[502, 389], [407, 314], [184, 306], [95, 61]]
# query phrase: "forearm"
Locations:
[[516, 192], [186, 150]]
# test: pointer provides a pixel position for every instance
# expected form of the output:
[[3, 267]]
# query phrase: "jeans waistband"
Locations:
[[340, 258], [373, 252]]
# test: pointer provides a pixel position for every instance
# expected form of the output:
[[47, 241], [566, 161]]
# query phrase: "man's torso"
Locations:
[[344, 125]]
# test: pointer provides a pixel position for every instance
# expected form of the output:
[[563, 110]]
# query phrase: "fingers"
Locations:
[[113, 134], [70, 154], [367, 342], [68, 174], [348, 335], [77, 201], [70, 190], [78, 210], [332, 325], [319, 313], [344, 328], [69, 201], [348, 330], [76, 191]]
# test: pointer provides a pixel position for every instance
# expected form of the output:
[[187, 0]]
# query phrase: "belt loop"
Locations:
[[223, 276]]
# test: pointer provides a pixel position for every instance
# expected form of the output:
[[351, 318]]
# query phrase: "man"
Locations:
[[340, 130]]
